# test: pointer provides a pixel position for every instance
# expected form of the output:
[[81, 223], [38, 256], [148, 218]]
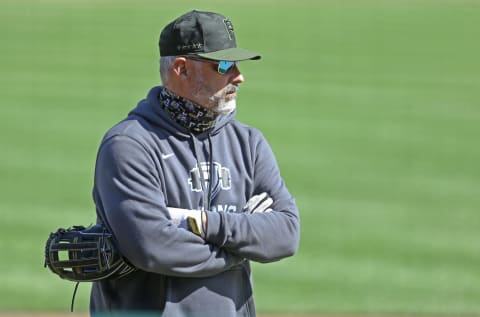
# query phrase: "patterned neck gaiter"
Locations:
[[186, 113]]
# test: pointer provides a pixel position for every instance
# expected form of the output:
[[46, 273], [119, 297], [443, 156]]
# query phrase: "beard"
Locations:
[[224, 107], [223, 104]]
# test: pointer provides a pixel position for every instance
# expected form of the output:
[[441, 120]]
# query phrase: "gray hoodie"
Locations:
[[147, 163]]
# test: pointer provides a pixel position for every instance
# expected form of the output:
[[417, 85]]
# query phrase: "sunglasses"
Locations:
[[223, 67]]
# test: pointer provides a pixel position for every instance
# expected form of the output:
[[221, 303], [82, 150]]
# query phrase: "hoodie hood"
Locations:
[[151, 110]]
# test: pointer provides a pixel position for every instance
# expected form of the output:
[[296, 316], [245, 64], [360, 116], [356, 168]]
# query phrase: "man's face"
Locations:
[[212, 90]]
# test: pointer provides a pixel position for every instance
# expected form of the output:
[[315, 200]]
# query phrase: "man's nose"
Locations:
[[237, 76]]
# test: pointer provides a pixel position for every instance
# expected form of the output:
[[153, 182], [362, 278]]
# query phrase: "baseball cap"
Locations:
[[206, 34]]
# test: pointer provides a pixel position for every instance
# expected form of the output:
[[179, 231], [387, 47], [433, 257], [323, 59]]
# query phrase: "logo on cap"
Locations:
[[229, 28], [189, 47]]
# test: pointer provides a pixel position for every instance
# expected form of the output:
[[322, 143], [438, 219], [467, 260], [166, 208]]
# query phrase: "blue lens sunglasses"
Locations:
[[222, 68]]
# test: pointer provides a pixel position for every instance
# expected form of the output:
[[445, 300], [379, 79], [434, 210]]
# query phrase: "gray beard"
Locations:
[[225, 107], [221, 105]]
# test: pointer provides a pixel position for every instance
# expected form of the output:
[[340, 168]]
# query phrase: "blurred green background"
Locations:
[[372, 108]]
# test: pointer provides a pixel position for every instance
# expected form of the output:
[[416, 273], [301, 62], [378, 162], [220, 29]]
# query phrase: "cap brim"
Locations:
[[231, 54]]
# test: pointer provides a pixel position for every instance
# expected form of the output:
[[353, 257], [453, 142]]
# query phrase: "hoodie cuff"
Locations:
[[214, 230]]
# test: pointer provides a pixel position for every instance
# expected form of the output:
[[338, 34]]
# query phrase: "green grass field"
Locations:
[[372, 108]]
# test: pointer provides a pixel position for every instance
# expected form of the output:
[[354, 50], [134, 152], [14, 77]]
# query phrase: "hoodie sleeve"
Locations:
[[261, 237], [130, 201]]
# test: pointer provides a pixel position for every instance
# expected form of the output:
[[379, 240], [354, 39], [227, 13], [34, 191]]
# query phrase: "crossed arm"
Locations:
[[130, 201]]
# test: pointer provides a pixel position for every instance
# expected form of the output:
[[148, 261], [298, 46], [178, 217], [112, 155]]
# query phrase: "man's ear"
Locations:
[[179, 66]]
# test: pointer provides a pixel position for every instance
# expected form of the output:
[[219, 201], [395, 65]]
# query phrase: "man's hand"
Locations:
[[196, 220], [259, 203], [197, 223], [190, 219]]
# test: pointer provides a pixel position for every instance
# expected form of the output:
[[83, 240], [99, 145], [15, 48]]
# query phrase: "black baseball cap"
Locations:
[[205, 34]]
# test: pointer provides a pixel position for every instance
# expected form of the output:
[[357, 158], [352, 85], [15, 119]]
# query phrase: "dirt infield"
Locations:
[[12, 314], [86, 315], [67, 314]]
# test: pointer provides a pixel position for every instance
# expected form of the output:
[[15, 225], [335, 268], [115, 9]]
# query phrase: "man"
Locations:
[[190, 194]]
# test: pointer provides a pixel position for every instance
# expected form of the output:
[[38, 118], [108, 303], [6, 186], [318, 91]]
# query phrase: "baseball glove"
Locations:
[[82, 254]]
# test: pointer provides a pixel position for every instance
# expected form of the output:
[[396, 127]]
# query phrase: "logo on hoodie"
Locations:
[[219, 177]]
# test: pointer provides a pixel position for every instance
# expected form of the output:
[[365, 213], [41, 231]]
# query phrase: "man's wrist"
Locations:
[[213, 228]]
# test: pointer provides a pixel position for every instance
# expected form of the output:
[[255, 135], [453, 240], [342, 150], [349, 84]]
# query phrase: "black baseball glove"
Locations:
[[82, 254]]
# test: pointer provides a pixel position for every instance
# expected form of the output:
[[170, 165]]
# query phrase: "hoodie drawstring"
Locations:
[[210, 185], [207, 195]]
